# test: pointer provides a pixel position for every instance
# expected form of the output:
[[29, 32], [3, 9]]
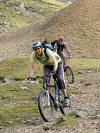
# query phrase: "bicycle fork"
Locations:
[[48, 100]]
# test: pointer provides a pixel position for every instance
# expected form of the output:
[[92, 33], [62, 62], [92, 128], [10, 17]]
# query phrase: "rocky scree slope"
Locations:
[[79, 23]]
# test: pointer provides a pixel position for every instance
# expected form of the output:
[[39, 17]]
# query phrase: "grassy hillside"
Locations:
[[15, 13], [16, 104], [18, 67]]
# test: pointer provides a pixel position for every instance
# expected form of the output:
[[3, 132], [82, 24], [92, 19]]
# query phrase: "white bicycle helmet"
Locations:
[[36, 44]]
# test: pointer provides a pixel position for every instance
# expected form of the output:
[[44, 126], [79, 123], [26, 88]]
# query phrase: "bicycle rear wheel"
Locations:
[[69, 74], [45, 106]]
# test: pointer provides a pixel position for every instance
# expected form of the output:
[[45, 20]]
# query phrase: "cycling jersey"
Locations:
[[60, 49], [43, 58]]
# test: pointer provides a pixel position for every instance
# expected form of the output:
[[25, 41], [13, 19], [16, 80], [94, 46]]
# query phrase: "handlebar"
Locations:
[[67, 58], [38, 77], [43, 77]]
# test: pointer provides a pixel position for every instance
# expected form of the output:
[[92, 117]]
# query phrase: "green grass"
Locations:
[[17, 114], [55, 3], [18, 21], [12, 18], [41, 7], [84, 64], [18, 68], [71, 121]]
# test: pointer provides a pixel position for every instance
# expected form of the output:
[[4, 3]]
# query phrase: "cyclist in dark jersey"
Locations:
[[60, 46]]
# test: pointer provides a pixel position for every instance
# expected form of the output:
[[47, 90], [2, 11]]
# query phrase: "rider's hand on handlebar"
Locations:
[[69, 57], [53, 72], [30, 78]]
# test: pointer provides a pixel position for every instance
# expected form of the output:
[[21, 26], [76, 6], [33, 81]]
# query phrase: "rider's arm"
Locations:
[[68, 51], [33, 59], [31, 69], [53, 59]]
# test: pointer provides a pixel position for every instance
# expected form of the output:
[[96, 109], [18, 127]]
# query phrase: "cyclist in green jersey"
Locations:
[[52, 64]]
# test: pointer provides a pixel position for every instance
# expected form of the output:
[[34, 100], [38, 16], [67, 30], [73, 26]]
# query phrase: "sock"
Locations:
[[66, 96]]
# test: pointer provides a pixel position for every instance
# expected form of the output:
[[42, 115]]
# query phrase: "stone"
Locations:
[[7, 79], [83, 113], [7, 97], [34, 98], [59, 120], [82, 72]]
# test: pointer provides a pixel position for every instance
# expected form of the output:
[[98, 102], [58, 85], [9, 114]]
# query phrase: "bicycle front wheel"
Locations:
[[69, 74], [45, 106]]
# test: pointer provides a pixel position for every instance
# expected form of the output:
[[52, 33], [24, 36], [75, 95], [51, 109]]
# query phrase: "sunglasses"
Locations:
[[37, 49]]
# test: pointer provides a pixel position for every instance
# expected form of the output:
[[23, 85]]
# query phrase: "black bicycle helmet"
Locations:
[[36, 44]]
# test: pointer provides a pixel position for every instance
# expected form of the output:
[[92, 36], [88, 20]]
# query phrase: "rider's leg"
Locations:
[[47, 70], [61, 80]]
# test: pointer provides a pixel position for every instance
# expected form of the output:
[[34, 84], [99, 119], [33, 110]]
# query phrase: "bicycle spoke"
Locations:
[[69, 74], [45, 107]]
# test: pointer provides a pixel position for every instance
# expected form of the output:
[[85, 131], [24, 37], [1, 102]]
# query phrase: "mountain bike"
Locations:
[[69, 73], [47, 103]]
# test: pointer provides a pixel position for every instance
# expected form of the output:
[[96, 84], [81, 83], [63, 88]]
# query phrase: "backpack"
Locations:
[[53, 43], [46, 45]]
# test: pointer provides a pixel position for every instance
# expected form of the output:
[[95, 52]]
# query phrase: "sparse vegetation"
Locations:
[[16, 104], [20, 13], [69, 122], [84, 64]]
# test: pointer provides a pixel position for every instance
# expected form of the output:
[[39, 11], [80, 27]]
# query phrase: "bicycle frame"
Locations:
[[47, 102], [45, 87]]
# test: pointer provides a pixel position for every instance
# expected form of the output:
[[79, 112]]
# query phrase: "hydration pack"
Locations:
[[46, 45]]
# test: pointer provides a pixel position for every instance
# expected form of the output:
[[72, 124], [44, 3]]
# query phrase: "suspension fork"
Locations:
[[48, 98]]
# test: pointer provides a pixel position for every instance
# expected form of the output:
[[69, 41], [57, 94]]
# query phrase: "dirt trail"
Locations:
[[88, 97]]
